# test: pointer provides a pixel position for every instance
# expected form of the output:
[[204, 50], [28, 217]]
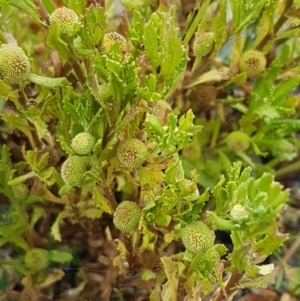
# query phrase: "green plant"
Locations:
[[112, 119]]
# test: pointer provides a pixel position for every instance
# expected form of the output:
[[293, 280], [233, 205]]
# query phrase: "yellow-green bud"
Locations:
[[112, 38], [252, 62], [238, 141], [129, 152], [73, 170], [66, 19], [197, 237], [14, 64], [20, 191], [36, 260], [83, 143], [239, 214], [105, 93], [127, 216], [203, 44]]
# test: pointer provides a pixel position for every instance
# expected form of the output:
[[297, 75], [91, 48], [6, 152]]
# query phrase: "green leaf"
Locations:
[[60, 256], [46, 81], [29, 7], [55, 231], [169, 291], [101, 201], [150, 39]]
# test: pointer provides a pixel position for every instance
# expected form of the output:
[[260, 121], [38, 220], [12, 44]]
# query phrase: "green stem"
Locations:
[[21, 179], [222, 224], [288, 169]]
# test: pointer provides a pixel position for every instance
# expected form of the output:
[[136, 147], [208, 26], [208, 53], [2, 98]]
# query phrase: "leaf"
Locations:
[[60, 256], [46, 81], [55, 228], [151, 33], [120, 260], [101, 201], [92, 213], [216, 75], [259, 282], [29, 7], [169, 290]]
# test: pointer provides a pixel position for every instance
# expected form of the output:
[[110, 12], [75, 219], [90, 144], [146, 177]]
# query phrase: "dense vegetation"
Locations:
[[134, 144]]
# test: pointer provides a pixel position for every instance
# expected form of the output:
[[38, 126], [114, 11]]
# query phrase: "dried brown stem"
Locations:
[[223, 295]]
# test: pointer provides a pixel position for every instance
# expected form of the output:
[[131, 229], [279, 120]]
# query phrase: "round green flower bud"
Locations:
[[129, 152], [36, 260], [252, 62], [238, 141], [21, 192], [73, 170], [197, 237], [203, 44], [14, 64], [83, 143], [66, 19], [113, 37], [105, 93], [127, 216], [239, 214]]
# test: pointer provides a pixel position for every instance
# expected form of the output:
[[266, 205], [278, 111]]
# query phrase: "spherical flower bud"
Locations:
[[203, 44], [239, 214], [14, 64], [20, 191], [238, 141], [127, 216], [66, 19], [252, 62], [83, 143], [204, 97], [152, 262], [36, 260], [112, 38], [197, 237], [129, 153], [105, 93], [73, 170]]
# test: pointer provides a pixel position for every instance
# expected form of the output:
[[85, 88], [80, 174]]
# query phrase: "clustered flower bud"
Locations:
[[14, 64], [127, 216], [197, 237], [83, 143], [112, 38], [73, 170], [253, 62], [203, 44], [36, 260], [129, 152], [152, 262], [204, 98], [20, 192], [105, 93], [238, 141], [66, 19], [239, 214]]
